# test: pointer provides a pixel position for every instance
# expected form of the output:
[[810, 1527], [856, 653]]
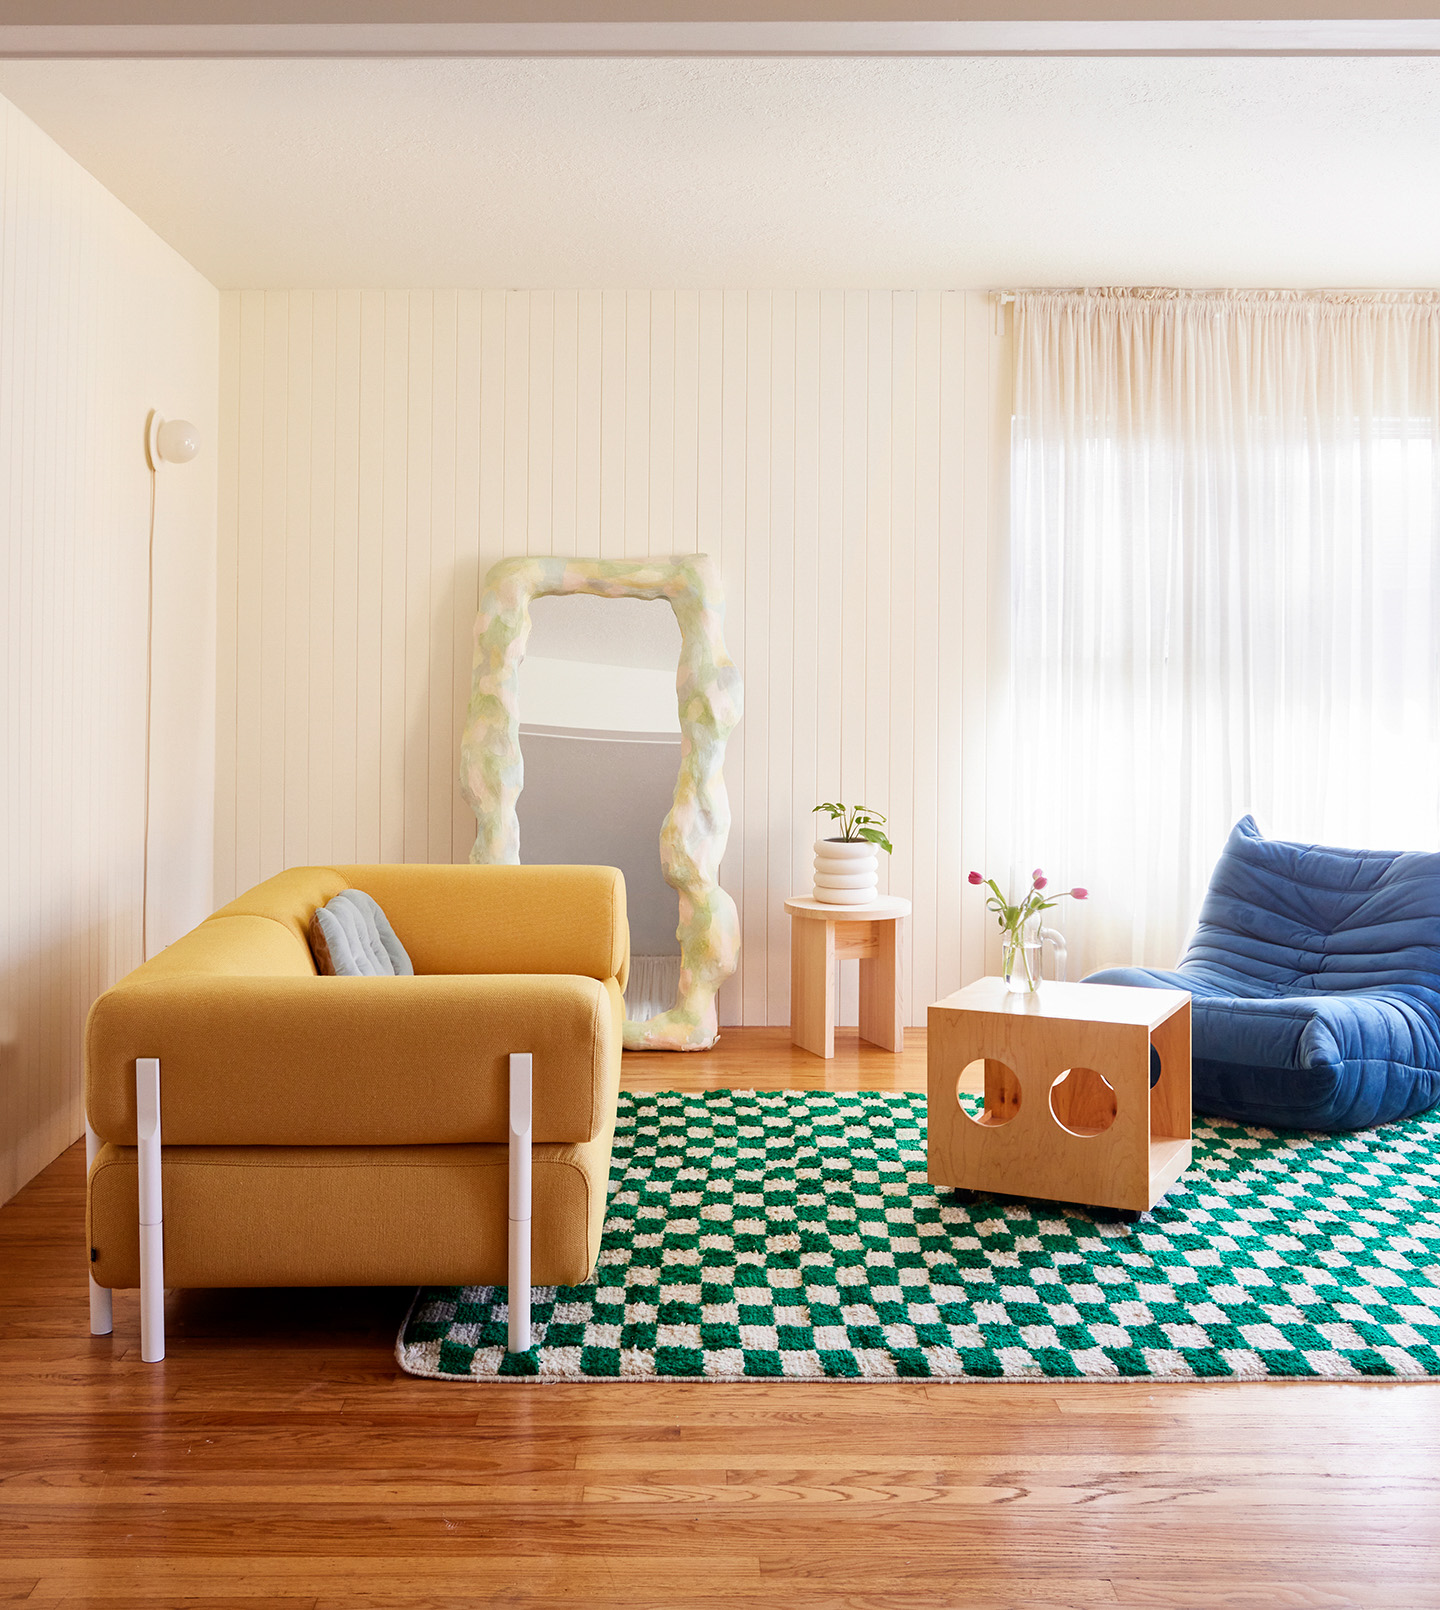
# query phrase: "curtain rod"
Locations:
[[1161, 293]]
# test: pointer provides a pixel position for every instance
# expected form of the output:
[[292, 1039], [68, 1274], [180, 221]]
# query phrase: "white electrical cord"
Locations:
[[149, 681], [177, 442]]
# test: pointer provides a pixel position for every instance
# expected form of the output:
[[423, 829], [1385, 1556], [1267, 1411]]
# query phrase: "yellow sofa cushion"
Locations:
[[291, 1061], [504, 919], [230, 947], [470, 919], [349, 1216], [257, 1050], [289, 898]]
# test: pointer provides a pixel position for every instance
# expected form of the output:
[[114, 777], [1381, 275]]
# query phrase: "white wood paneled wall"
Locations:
[[839, 453], [99, 321]]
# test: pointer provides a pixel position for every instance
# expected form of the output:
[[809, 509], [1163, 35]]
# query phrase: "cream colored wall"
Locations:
[[99, 321], [836, 452]]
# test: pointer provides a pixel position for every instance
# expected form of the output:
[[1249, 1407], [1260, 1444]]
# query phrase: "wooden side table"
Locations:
[[1070, 1114], [821, 935]]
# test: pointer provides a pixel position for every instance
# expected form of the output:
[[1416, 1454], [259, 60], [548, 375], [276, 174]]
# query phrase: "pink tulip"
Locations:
[[1080, 894], [1040, 882], [976, 878], [1039, 872]]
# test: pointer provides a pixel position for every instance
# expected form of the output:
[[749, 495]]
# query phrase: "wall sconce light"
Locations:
[[170, 441]]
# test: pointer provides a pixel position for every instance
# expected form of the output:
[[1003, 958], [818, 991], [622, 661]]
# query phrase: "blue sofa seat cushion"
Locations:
[[1315, 978]]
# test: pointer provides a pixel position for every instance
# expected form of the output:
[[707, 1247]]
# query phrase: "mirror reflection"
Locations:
[[600, 739]]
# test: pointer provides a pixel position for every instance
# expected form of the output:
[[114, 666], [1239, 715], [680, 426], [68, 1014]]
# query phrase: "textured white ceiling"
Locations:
[[765, 172], [605, 631]]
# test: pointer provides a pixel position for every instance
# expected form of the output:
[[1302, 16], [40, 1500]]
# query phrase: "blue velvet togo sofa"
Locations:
[[1315, 977]]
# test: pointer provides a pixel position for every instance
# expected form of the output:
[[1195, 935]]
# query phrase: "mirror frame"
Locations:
[[694, 832]]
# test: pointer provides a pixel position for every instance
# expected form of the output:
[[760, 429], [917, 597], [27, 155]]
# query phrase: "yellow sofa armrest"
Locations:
[[306, 1061], [504, 919]]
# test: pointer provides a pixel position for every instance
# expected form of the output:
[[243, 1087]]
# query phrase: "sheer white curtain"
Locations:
[[1225, 591]]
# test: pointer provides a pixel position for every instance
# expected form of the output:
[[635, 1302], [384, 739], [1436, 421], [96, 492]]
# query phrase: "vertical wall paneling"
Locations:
[[759, 561], [926, 973], [238, 730], [962, 652], [660, 447], [539, 430], [839, 454], [295, 487], [317, 730], [100, 322], [344, 603], [465, 577], [589, 328], [227, 782], [685, 425], [421, 428], [729, 552], [613, 342], [984, 493], [274, 541], [565, 422], [394, 567], [635, 383], [832, 565], [808, 672], [369, 585], [896, 756], [776, 810], [438, 592]]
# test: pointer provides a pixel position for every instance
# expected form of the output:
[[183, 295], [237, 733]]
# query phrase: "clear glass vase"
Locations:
[[1020, 958]]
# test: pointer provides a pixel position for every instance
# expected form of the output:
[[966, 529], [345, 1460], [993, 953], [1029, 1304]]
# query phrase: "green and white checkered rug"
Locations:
[[793, 1236]]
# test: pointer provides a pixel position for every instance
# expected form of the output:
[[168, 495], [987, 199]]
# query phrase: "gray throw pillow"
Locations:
[[351, 938]]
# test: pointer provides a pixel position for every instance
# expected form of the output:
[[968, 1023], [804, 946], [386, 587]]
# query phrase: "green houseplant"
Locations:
[[846, 867]]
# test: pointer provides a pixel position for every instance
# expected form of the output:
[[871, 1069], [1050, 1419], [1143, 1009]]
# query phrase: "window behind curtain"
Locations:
[[1225, 591]]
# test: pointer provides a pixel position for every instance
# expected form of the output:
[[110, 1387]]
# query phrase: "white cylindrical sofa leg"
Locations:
[[102, 1307], [152, 1214], [519, 1262]]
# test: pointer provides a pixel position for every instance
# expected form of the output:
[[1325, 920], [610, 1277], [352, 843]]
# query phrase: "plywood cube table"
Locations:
[[1069, 1115], [821, 935]]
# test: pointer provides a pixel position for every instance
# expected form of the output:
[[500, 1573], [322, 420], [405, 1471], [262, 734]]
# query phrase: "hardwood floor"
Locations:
[[278, 1457]]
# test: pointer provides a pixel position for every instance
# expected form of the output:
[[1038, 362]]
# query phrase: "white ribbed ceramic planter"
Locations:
[[846, 873]]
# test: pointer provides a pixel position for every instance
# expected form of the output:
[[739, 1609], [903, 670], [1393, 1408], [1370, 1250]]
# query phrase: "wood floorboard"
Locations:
[[278, 1458]]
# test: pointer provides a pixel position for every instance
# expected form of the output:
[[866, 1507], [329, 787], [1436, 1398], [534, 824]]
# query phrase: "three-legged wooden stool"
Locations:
[[821, 935]]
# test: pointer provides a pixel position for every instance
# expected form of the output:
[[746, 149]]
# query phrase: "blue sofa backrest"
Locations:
[[1308, 917]]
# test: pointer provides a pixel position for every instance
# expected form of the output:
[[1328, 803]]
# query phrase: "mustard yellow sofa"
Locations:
[[354, 1131]]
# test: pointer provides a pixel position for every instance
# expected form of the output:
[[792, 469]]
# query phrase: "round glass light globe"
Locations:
[[178, 441]]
